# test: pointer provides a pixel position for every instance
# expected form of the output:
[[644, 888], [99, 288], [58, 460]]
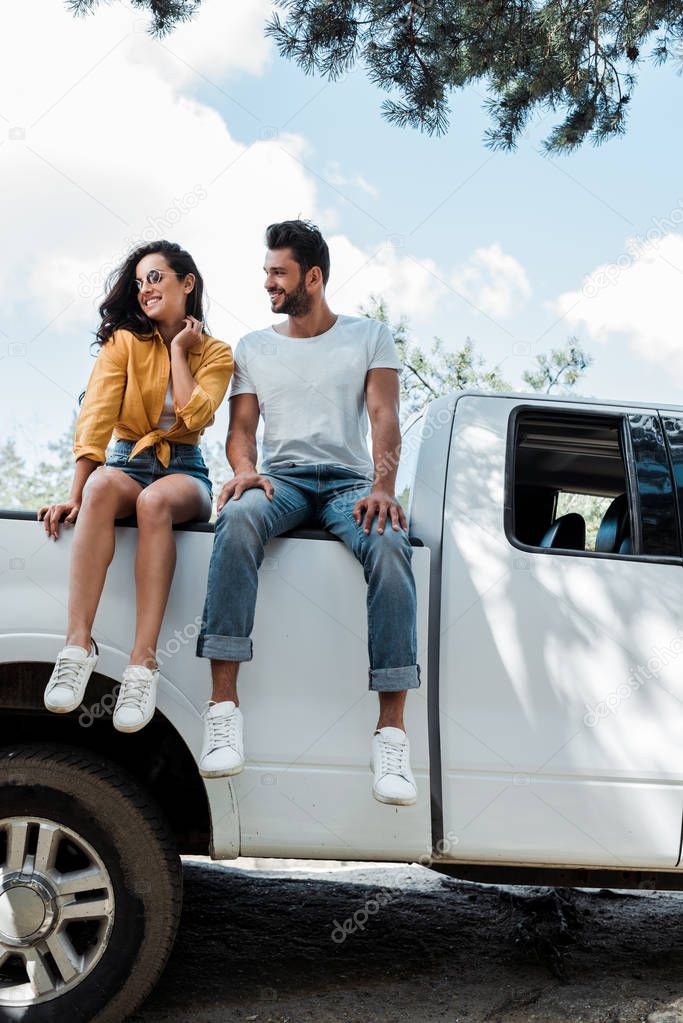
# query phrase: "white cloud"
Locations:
[[107, 144], [114, 151], [101, 141], [220, 38], [409, 287], [336, 176], [637, 296], [493, 281]]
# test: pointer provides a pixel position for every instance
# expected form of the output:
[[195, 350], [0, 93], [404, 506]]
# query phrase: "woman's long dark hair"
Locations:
[[121, 308]]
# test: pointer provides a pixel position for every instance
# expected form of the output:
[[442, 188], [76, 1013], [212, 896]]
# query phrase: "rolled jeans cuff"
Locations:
[[225, 648], [394, 680]]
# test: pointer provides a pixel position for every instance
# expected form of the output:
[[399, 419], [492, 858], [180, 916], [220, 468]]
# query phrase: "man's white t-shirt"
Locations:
[[311, 391]]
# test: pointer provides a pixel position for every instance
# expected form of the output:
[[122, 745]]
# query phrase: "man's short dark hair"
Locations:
[[306, 242]]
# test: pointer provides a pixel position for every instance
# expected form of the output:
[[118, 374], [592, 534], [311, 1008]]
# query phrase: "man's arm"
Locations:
[[383, 402], [240, 448]]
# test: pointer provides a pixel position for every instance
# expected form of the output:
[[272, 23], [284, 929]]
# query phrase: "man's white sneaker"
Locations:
[[137, 698], [223, 750], [66, 687], [390, 764]]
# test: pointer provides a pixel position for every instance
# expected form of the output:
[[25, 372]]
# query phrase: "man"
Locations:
[[315, 379]]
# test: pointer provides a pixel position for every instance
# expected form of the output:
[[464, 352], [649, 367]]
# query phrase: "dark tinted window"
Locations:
[[657, 511], [673, 433]]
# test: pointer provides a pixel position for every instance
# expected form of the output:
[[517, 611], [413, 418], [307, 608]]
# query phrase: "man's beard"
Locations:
[[297, 302]]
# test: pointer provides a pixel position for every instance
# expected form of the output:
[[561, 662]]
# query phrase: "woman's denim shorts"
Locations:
[[145, 468]]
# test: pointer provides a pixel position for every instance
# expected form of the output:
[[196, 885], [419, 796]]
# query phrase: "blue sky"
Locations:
[[465, 242], [444, 197]]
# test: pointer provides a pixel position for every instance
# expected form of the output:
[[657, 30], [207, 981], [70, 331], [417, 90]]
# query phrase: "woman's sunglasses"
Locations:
[[154, 276]]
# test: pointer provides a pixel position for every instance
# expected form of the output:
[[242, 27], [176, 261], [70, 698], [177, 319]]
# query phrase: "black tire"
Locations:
[[96, 801]]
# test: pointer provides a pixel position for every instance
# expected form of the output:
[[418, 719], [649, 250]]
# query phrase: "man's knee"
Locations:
[[388, 550], [244, 519]]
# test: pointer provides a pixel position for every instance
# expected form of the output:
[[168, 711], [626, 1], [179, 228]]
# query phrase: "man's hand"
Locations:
[[381, 504], [239, 483]]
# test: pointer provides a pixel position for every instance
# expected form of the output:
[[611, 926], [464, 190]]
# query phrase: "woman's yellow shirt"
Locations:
[[127, 388]]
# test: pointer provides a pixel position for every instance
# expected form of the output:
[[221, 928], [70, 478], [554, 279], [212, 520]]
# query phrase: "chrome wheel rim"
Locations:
[[56, 910]]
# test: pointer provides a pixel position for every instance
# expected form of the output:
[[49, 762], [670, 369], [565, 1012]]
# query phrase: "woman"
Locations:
[[157, 383]]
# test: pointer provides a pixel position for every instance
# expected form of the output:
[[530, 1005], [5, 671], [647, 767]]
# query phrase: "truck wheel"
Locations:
[[90, 888]]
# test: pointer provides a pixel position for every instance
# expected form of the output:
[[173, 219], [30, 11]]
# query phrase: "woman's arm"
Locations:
[[197, 397], [85, 467], [94, 426], [183, 381], [67, 511], [102, 402]]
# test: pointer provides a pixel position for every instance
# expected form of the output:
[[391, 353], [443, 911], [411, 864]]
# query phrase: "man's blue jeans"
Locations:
[[323, 495]]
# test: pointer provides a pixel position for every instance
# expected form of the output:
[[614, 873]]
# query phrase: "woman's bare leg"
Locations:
[[172, 499], [109, 494]]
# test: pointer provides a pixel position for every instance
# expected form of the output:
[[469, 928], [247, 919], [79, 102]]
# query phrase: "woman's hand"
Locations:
[[53, 512], [189, 336]]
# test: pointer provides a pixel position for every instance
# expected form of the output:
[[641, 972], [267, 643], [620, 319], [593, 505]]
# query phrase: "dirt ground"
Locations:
[[404, 945]]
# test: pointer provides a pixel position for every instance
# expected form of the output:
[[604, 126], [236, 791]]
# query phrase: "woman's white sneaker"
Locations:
[[223, 750], [390, 764], [66, 687], [137, 698]]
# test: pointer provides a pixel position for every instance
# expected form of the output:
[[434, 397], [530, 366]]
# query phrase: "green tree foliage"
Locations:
[[22, 487], [562, 368], [429, 375], [165, 14], [15, 488], [559, 56], [554, 56]]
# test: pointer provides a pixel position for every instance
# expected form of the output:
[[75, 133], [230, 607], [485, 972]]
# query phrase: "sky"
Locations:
[[110, 138]]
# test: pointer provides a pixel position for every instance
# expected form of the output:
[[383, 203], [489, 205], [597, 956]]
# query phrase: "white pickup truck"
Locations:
[[547, 737]]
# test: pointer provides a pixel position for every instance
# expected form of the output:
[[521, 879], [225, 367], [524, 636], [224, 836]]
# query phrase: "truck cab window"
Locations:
[[570, 487], [592, 483]]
